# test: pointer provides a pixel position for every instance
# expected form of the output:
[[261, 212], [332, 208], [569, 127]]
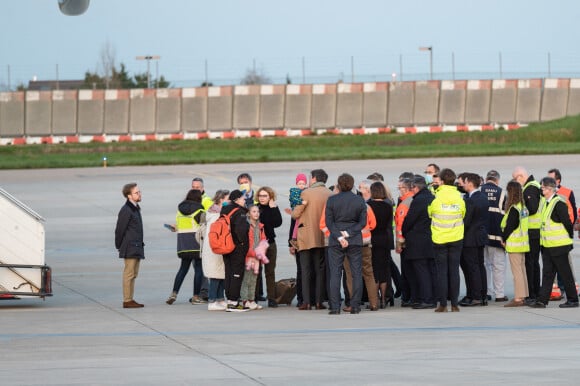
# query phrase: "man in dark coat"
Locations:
[[419, 245], [475, 237], [129, 241], [346, 216]]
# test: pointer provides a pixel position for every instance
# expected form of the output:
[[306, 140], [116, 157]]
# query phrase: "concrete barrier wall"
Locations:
[[246, 107], [38, 113], [349, 105], [452, 102], [555, 99], [168, 105], [298, 106], [64, 112], [574, 98], [272, 101], [194, 110], [426, 106], [504, 96], [400, 103], [375, 104], [323, 106], [142, 111], [529, 100], [477, 105], [11, 114], [220, 107], [91, 112], [116, 119]]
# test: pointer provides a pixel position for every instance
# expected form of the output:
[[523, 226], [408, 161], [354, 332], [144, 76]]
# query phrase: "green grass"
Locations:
[[556, 137]]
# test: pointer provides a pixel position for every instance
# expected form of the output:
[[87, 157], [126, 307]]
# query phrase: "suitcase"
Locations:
[[285, 291]]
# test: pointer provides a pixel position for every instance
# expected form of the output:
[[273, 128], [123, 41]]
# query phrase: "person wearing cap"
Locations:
[[235, 262], [556, 239], [494, 253]]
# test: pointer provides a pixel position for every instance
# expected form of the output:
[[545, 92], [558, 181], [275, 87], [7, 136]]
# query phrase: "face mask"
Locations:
[[225, 203], [428, 178]]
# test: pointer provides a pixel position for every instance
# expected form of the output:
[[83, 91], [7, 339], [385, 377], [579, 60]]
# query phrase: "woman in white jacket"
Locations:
[[213, 264]]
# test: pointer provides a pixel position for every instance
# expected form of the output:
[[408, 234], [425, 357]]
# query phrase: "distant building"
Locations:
[[49, 85]]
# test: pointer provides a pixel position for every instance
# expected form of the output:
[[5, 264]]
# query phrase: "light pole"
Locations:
[[148, 58], [430, 49]]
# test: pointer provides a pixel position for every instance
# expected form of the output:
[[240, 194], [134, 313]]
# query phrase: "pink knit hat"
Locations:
[[301, 177]]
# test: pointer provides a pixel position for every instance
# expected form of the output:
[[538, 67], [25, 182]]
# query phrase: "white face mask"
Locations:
[[428, 178]]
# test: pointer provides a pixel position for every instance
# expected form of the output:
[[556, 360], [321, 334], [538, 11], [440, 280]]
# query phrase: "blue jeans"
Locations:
[[184, 269], [216, 290]]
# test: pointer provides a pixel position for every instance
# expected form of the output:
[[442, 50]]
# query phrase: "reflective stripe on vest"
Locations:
[[535, 220], [518, 240], [553, 234]]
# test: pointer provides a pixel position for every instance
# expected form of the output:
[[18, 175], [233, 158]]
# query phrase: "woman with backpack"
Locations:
[[235, 261]]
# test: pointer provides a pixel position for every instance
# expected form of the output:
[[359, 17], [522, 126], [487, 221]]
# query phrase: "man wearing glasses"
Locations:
[[129, 241]]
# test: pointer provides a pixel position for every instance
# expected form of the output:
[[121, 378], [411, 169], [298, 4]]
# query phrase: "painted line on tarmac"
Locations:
[[4, 336]]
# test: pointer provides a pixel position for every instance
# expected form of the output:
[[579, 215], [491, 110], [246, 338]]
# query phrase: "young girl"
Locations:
[[256, 256]]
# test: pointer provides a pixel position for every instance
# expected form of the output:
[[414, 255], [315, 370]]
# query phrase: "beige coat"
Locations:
[[309, 233]]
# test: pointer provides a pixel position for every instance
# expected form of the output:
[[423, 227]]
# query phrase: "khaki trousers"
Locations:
[[518, 267], [368, 277], [129, 275]]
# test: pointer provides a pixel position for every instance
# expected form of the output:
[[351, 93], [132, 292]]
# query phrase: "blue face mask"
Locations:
[[428, 178], [225, 203]]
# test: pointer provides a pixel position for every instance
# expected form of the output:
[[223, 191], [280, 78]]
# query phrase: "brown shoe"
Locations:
[[132, 304], [454, 308], [441, 309], [514, 303], [305, 307], [320, 306], [347, 309]]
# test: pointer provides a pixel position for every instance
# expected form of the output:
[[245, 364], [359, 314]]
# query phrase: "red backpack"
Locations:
[[220, 234]]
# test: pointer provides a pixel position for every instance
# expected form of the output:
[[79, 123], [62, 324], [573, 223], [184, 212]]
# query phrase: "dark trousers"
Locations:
[[422, 273], [234, 264], [472, 264], [533, 268], [396, 276], [553, 264], [312, 264], [269, 271], [447, 258], [336, 256], [182, 273], [405, 282]]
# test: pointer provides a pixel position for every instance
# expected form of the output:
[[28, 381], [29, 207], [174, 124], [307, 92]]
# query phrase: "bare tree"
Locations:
[[107, 59], [254, 76]]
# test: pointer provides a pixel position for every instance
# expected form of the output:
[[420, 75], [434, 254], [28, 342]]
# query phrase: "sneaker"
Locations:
[[216, 306], [238, 307], [197, 300], [252, 305], [171, 298]]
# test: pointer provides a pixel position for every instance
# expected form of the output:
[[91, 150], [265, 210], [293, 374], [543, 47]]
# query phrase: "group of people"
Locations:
[[342, 236]]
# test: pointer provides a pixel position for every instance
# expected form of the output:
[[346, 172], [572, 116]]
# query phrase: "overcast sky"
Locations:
[[321, 40]]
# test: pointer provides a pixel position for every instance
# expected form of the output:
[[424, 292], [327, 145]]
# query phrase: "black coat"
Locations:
[[476, 220], [271, 218], [129, 232], [417, 227], [382, 236], [240, 229]]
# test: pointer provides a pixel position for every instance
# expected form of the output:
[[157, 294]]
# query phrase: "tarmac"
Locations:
[[83, 336]]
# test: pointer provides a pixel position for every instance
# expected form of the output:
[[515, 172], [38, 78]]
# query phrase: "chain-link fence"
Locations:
[[424, 64]]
